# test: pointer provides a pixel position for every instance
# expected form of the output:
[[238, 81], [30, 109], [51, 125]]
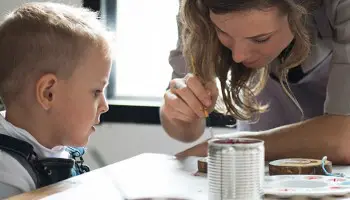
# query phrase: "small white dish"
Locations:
[[306, 185]]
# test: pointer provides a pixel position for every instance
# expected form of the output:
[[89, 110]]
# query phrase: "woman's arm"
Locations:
[[327, 135]]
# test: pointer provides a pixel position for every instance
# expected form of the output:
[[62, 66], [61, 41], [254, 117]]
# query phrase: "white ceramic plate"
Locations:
[[306, 185]]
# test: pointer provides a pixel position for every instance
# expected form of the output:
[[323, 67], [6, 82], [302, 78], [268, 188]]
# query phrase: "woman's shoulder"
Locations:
[[337, 11], [329, 11]]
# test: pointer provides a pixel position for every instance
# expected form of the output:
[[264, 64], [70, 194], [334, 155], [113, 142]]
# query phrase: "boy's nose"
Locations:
[[104, 107]]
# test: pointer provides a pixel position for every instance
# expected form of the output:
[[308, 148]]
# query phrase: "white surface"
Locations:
[[143, 176], [151, 175], [89, 191], [311, 186], [146, 175], [119, 141]]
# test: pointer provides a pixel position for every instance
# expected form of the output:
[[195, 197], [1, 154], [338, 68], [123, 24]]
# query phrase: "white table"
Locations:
[[146, 175]]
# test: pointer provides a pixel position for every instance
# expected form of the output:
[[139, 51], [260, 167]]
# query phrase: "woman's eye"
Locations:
[[219, 31], [261, 40]]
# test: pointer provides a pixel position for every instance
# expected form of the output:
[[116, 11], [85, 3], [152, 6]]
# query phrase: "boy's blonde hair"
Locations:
[[40, 38]]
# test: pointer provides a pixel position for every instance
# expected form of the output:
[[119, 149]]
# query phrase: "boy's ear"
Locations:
[[45, 90]]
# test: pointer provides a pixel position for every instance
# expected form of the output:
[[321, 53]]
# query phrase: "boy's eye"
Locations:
[[97, 93]]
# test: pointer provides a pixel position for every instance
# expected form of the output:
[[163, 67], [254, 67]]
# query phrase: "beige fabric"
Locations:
[[338, 88]]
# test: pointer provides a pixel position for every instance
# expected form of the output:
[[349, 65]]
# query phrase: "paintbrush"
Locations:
[[204, 109]]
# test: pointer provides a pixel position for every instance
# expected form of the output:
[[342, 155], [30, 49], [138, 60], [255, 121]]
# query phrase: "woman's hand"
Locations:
[[188, 99]]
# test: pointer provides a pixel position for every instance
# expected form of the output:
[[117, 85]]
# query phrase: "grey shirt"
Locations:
[[325, 88]]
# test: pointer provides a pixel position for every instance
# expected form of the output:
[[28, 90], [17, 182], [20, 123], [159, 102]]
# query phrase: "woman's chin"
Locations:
[[254, 66]]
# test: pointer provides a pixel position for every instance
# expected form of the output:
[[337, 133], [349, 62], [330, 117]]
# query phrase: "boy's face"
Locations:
[[79, 101]]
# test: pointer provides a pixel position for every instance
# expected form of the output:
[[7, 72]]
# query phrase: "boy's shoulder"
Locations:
[[43, 171], [13, 175]]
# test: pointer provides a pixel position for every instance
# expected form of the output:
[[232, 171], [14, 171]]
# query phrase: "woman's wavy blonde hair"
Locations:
[[239, 85]]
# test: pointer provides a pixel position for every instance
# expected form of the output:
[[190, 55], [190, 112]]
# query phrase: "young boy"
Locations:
[[55, 65]]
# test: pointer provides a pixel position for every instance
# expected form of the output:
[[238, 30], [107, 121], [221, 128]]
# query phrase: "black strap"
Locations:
[[10, 144], [44, 171], [22, 152]]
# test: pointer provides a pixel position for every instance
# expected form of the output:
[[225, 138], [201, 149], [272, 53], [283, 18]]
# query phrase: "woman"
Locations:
[[283, 68]]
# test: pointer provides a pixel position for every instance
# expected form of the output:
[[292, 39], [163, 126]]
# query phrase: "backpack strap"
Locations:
[[21, 151], [43, 171]]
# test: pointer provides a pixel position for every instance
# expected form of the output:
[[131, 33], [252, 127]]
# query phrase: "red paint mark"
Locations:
[[313, 177], [199, 174], [335, 188], [196, 174], [337, 180]]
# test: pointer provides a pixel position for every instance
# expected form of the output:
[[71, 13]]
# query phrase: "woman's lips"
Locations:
[[250, 63]]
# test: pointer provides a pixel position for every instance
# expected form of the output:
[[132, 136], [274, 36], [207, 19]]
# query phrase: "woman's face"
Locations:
[[255, 37]]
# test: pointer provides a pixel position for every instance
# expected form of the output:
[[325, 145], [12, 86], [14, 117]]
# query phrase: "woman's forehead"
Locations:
[[248, 23]]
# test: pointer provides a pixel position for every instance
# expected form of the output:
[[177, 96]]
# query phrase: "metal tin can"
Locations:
[[235, 169]]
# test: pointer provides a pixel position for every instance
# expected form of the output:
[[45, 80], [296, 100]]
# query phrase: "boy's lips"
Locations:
[[93, 128]]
